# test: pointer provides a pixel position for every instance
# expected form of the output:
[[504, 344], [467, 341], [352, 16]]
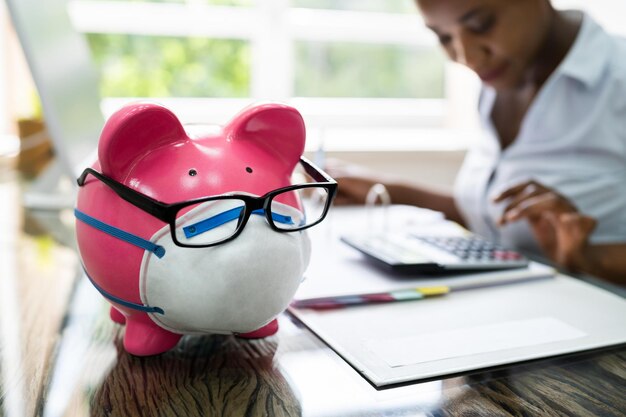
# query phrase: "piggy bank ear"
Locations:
[[132, 132], [277, 129]]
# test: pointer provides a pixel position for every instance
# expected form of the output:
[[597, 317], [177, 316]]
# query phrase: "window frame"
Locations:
[[266, 24]]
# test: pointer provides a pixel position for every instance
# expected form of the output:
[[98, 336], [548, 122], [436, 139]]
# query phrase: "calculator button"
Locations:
[[472, 249]]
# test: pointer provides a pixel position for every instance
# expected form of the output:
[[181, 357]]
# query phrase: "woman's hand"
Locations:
[[561, 231], [354, 182]]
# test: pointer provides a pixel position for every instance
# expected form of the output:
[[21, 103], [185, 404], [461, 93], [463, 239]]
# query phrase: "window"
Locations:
[[358, 70], [345, 64]]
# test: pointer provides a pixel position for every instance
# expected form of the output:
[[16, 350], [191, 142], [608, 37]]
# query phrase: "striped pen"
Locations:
[[341, 301]]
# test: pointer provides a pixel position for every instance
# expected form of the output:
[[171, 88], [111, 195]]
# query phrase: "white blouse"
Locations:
[[572, 139]]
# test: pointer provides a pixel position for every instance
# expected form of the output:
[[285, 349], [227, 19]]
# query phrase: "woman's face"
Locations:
[[497, 39]]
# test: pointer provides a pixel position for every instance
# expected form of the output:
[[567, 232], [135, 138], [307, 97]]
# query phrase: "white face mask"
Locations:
[[236, 287]]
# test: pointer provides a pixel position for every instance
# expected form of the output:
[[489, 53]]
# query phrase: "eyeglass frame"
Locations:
[[166, 212]]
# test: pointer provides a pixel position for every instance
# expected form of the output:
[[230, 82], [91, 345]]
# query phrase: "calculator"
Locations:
[[410, 253]]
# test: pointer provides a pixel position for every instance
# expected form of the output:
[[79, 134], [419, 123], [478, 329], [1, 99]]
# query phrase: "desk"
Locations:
[[61, 356]]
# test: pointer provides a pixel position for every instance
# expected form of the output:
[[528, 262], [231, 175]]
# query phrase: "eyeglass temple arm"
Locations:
[[319, 175], [145, 203], [315, 172]]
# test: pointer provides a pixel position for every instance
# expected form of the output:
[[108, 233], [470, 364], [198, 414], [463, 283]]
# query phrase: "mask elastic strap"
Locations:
[[135, 306], [159, 251], [280, 218], [225, 217]]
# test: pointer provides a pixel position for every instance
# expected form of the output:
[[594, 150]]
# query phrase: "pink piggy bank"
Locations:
[[195, 234]]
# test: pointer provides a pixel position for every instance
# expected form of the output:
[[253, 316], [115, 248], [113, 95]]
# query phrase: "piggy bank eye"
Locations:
[[249, 170], [193, 172]]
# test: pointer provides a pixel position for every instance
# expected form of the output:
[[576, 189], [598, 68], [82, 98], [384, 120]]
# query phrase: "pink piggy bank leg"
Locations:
[[116, 316], [144, 338], [265, 331]]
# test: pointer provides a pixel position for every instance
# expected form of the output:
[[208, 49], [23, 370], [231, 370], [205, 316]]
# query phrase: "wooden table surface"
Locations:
[[60, 355]]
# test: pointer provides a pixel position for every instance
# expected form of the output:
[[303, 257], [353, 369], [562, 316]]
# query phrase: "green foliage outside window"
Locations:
[[166, 66], [155, 66], [210, 2], [369, 71]]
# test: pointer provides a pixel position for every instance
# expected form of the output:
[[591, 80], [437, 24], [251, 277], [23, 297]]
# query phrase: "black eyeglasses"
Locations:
[[213, 220]]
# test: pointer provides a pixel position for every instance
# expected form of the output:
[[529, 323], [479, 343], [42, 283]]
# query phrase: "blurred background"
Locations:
[[366, 74]]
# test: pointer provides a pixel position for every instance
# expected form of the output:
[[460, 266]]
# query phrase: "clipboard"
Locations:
[[533, 314], [470, 330]]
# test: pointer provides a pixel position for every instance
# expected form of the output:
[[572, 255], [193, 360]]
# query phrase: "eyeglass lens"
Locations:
[[314, 200], [209, 222]]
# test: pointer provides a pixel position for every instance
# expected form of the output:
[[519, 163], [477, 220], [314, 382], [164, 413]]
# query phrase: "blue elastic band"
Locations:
[[117, 300], [225, 217], [212, 222], [120, 234]]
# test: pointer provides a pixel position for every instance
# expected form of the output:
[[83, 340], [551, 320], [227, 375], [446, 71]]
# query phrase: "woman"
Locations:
[[553, 107]]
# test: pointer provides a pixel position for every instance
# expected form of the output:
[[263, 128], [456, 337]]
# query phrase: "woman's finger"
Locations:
[[516, 189], [535, 206], [519, 199]]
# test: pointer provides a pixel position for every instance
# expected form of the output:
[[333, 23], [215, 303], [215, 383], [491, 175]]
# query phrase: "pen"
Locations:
[[340, 301]]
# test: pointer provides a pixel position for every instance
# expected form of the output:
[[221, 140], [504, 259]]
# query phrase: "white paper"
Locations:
[[595, 318], [469, 341]]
